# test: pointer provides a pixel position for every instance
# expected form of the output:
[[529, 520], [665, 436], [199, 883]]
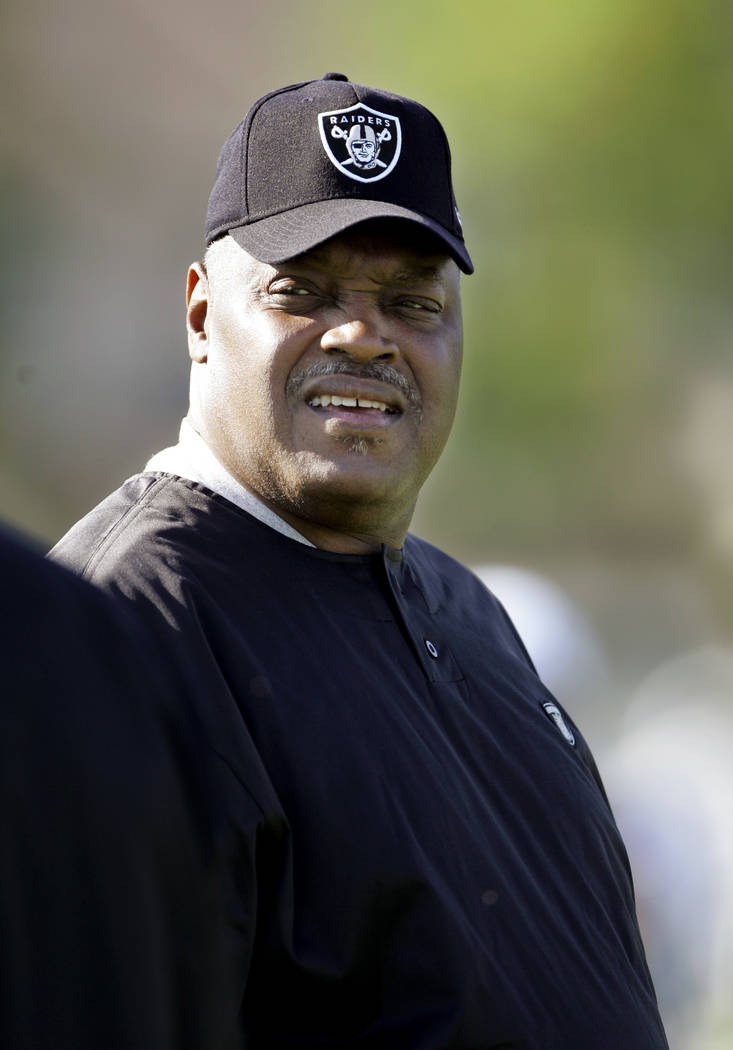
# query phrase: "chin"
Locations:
[[356, 446], [353, 478]]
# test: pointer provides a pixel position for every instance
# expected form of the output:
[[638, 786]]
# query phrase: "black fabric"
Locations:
[[111, 896], [435, 866]]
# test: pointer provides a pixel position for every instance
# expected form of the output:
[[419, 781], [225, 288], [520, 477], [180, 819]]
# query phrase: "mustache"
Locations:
[[370, 370]]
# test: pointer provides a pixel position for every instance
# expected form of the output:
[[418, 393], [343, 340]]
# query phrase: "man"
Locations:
[[428, 859]]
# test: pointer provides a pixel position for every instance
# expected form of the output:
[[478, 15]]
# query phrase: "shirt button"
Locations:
[[431, 649]]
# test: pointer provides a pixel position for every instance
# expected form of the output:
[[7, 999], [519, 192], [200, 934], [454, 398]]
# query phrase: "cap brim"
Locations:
[[281, 237]]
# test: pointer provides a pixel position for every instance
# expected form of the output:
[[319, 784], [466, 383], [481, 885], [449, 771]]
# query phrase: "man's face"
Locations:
[[327, 385], [363, 150]]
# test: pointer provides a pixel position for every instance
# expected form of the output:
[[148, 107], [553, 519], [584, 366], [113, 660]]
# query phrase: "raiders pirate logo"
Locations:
[[361, 142], [553, 712]]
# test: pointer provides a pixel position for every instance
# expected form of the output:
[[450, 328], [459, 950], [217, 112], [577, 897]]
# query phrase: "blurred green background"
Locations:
[[593, 163]]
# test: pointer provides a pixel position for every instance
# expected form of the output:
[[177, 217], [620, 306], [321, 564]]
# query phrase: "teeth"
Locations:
[[324, 400], [363, 403]]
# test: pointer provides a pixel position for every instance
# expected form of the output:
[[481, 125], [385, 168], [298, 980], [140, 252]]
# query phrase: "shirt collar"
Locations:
[[192, 458]]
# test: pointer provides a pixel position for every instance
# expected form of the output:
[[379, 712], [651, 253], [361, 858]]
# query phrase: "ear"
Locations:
[[197, 310]]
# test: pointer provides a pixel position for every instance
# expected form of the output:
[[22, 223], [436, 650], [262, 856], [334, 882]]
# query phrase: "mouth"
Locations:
[[344, 401], [349, 400], [353, 411]]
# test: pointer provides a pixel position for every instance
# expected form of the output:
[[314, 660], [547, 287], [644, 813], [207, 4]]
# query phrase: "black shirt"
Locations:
[[112, 931], [426, 858]]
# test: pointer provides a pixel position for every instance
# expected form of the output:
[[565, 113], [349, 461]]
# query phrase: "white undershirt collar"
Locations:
[[192, 458]]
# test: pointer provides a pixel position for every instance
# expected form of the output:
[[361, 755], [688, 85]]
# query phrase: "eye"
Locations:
[[421, 305], [293, 294], [289, 288]]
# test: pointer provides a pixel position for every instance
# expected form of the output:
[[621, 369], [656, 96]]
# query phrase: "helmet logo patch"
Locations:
[[554, 714], [361, 142]]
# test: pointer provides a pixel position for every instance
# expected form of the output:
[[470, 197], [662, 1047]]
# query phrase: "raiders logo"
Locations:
[[553, 712], [361, 142]]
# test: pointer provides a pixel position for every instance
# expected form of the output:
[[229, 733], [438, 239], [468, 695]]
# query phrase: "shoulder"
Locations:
[[79, 659], [144, 522], [33, 591], [97, 531]]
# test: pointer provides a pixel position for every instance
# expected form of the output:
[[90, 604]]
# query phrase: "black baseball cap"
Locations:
[[310, 160]]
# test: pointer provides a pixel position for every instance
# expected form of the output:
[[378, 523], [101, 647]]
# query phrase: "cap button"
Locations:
[[334, 76]]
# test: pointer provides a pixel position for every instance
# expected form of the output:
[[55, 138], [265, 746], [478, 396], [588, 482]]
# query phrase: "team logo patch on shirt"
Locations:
[[554, 713], [361, 142]]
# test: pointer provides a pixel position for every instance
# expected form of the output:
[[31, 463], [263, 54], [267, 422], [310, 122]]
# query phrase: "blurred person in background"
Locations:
[[109, 882], [425, 852], [670, 776]]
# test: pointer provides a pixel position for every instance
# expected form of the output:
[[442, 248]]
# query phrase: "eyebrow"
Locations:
[[428, 272], [405, 275]]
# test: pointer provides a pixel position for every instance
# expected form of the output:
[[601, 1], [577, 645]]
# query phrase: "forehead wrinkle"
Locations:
[[399, 260]]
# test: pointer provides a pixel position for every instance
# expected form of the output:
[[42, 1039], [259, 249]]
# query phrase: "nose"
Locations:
[[363, 338]]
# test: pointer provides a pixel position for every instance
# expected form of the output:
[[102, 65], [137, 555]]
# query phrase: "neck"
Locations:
[[339, 540]]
